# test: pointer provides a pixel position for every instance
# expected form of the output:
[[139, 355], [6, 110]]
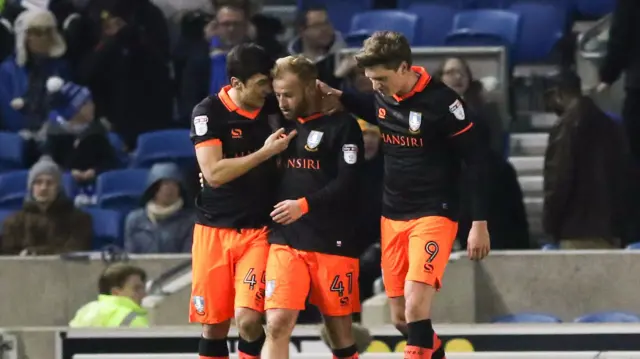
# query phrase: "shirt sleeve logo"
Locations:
[[457, 110], [200, 125], [313, 140], [350, 153], [415, 120]]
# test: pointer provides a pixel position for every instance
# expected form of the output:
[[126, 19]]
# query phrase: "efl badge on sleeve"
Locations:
[[350, 153], [313, 140], [200, 125], [415, 120], [457, 110], [270, 288], [198, 304]]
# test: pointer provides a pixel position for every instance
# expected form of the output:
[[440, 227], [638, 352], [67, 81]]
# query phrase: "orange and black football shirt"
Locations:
[[321, 169], [427, 136], [246, 201]]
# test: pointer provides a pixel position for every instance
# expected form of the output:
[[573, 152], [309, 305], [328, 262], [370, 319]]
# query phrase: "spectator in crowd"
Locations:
[[7, 40], [48, 223], [75, 140], [456, 73], [318, 41], [119, 304], [164, 224], [204, 70], [623, 55], [507, 220], [127, 68], [23, 76], [585, 172], [264, 31]]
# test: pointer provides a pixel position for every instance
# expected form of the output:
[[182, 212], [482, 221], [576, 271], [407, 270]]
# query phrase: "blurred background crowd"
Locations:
[[96, 98]]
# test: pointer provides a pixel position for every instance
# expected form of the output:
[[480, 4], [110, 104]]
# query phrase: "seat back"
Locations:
[[436, 21], [11, 151], [527, 318], [107, 228], [391, 20], [541, 27], [502, 23], [163, 146], [608, 317], [13, 189], [121, 189], [342, 12]]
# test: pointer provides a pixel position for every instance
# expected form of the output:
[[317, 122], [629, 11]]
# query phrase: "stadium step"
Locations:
[[533, 205], [531, 185], [528, 144], [527, 165]]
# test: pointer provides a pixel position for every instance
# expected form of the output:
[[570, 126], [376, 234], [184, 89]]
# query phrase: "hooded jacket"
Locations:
[[171, 234]]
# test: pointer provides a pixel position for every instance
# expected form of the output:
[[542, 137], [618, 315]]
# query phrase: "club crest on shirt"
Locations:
[[415, 120], [350, 153], [457, 110], [200, 125], [313, 140]]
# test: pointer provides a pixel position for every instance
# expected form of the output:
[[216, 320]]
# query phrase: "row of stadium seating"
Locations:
[[152, 147], [552, 246], [529, 30], [600, 317]]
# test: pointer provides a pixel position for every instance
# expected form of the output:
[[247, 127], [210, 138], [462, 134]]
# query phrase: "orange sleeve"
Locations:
[[208, 143], [463, 130], [304, 205]]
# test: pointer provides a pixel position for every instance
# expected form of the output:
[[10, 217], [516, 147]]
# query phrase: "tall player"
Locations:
[[235, 149], [312, 247], [427, 134]]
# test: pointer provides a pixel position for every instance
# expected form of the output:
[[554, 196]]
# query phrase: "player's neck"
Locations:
[[410, 82], [235, 97]]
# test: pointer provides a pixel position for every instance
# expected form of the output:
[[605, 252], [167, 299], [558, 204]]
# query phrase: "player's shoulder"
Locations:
[[342, 120], [211, 108], [437, 91]]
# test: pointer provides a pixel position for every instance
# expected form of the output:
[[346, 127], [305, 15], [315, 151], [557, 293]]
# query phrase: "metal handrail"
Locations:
[[154, 286], [587, 36]]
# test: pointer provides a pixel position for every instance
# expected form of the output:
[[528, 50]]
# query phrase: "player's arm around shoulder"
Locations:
[[208, 133]]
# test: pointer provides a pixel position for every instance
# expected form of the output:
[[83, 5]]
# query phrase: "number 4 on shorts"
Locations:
[[338, 287], [250, 278]]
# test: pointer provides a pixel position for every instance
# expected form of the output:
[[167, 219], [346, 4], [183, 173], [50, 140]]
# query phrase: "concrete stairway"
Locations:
[[527, 157]]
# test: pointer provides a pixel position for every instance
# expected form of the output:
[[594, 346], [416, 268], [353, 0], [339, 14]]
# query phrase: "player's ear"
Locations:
[[236, 83], [404, 67]]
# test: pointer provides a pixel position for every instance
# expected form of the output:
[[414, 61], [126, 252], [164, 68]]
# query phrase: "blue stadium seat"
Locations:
[[595, 8], [614, 116], [485, 27], [527, 318], [491, 4], [634, 246], [541, 27], [121, 189], [457, 4], [4, 214], [341, 12], [11, 151], [608, 317], [369, 22], [119, 147], [107, 227], [13, 189], [436, 21], [69, 184], [550, 247], [164, 146]]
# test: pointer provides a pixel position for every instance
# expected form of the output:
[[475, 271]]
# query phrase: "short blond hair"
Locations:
[[385, 48], [298, 65]]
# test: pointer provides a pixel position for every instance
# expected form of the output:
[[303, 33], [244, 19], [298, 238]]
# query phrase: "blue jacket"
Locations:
[[14, 81]]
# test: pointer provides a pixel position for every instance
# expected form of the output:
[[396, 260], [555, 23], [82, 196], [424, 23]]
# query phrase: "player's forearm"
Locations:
[[332, 194], [359, 104], [228, 169], [474, 154]]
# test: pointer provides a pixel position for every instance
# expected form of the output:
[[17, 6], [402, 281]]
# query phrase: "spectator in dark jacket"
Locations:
[[586, 171], [127, 69], [48, 223], [623, 55], [318, 41], [164, 224], [75, 140]]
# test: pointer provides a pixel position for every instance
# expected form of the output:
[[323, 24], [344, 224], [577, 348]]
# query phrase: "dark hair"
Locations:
[[301, 15], [473, 95], [116, 275], [567, 82], [237, 5], [385, 48], [247, 60]]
